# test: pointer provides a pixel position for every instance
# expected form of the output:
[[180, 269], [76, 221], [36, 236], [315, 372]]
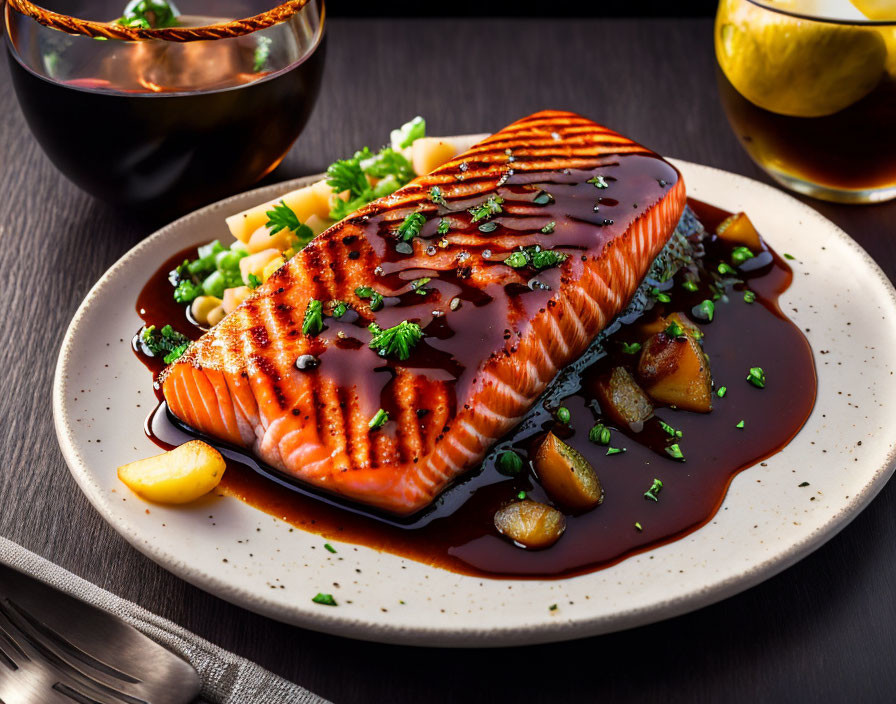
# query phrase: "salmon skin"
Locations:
[[578, 211]]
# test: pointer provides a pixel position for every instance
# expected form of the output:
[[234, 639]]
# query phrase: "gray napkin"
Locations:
[[226, 678]]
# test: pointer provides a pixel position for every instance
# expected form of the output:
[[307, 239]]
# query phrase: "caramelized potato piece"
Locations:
[[176, 477], [530, 524], [622, 399], [675, 371], [567, 476], [737, 229]]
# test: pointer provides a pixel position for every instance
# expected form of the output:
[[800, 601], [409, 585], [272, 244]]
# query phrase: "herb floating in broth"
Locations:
[[149, 14]]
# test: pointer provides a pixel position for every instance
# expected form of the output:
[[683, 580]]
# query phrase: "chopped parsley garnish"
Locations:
[[615, 450], [788, 256], [704, 310], [536, 257], [659, 295], [314, 320], [631, 347], [339, 309], [549, 228], [510, 463], [282, 217], [598, 182], [638, 527], [486, 210], [669, 430], [552, 607], [740, 254], [437, 197], [654, 489], [689, 286], [563, 414], [418, 284], [599, 434], [149, 14], [167, 343], [376, 299], [379, 420], [803, 484], [186, 291], [252, 281], [725, 268], [543, 198], [444, 226], [521, 495], [674, 451], [722, 391], [329, 548], [325, 599], [347, 175], [740, 425], [397, 341], [756, 377], [675, 331], [410, 227], [749, 297]]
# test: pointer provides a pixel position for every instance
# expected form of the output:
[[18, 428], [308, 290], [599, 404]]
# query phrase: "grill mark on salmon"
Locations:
[[479, 367]]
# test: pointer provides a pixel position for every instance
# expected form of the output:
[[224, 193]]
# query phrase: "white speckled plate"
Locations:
[[846, 450]]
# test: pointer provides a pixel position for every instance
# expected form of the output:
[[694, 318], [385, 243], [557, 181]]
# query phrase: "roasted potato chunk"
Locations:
[[567, 476], [674, 370], [621, 399], [176, 477], [737, 229], [530, 524]]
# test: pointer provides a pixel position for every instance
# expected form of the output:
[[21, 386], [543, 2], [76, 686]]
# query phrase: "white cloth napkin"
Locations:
[[226, 678]]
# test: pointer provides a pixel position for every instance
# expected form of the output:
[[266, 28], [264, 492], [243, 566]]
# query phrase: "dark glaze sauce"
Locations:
[[457, 532]]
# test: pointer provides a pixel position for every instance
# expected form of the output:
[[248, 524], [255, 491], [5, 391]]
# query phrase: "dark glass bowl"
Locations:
[[165, 126]]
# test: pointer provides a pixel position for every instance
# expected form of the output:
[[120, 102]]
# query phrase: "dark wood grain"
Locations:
[[825, 629]]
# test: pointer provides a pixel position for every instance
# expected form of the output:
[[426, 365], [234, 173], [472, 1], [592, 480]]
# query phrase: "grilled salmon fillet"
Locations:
[[578, 212]]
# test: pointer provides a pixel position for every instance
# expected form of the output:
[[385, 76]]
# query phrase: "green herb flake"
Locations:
[[788, 256], [552, 607], [313, 323], [329, 548], [167, 343], [187, 291], [669, 430], [517, 260], [638, 527], [741, 254], [615, 450], [282, 217], [740, 425], [444, 226], [705, 310], [654, 489], [675, 331], [397, 341], [339, 309], [689, 286], [324, 599], [252, 281], [410, 227], [756, 376], [380, 418], [598, 182], [491, 207], [725, 268], [547, 258], [149, 14], [659, 295], [722, 391], [549, 228], [803, 484], [563, 414], [366, 292], [521, 495], [631, 347], [749, 297], [510, 464], [437, 196], [417, 286], [674, 451]]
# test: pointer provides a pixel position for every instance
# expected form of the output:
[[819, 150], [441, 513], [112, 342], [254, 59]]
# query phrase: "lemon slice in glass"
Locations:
[[796, 67]]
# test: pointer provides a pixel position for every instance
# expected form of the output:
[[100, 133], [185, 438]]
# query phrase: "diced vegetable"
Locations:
[[167, 343], [176, 477], [214, 284], [271, 267], [215, 316], [429, 153], [202, 306], [738, 229], [567, 476], [317, 224], [256, 263], [674, 370], [262, 239], [234, 296], [530, 524], [621, 398], [304, 202]]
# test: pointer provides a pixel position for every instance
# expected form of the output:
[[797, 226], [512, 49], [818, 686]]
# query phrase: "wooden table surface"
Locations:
[[824, 629]]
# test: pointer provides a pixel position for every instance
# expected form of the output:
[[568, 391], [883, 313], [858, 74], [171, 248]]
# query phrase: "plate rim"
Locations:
[[330, 621]]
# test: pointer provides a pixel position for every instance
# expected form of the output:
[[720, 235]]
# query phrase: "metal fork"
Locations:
[[55, 649]]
